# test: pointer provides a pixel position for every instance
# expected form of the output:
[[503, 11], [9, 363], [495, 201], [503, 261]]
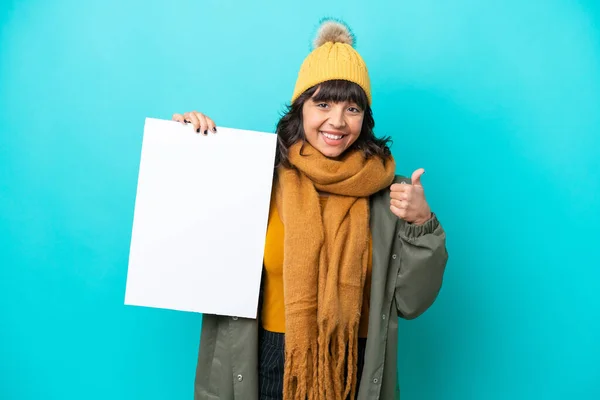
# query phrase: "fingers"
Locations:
[[206, 124], [203, 124], [178, 118], [211, 125], [192, 118], [397, 189], [199, 121], [400, 195], [399, 212], [401, 204], [407, 201], [400, 187]]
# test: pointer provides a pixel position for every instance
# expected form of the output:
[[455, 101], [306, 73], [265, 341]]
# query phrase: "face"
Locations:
[[331, 127]]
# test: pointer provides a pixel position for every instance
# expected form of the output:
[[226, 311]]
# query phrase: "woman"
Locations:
[[349, 247]]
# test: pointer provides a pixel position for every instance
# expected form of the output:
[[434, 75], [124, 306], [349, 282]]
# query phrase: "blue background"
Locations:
[[498, 101]]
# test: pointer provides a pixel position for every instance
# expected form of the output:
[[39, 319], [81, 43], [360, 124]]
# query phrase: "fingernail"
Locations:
[[206, 132], [215, 129]]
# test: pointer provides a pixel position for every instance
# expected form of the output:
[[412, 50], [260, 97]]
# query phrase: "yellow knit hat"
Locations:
[[333, 57]]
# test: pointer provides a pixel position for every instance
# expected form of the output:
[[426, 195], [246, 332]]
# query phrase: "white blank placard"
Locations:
[[200, 219]]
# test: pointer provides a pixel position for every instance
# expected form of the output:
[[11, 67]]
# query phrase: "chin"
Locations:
[[332, 153]]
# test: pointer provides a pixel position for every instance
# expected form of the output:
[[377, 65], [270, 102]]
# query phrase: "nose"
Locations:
[[337, 118]]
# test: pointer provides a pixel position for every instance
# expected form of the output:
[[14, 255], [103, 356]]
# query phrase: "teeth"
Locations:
[[330, 136]]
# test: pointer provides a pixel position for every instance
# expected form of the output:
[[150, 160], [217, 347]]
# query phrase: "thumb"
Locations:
[[416, 177]]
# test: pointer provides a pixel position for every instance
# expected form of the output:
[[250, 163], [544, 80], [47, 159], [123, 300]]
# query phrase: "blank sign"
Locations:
[[200, 219]]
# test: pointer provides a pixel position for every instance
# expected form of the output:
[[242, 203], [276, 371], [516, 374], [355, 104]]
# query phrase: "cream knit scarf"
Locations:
[[324, 267]]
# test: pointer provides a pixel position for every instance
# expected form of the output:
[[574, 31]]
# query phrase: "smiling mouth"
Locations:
[[331, 136]]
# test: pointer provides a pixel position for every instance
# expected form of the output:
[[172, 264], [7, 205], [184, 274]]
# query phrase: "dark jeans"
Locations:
[[271, 364]]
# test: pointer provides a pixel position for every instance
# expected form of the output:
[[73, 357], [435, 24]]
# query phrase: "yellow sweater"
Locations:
[[273, 315]]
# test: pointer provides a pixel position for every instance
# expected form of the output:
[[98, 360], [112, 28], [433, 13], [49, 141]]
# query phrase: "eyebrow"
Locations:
[[350, 101]]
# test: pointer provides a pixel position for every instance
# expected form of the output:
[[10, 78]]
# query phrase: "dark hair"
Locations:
[[290, 128]]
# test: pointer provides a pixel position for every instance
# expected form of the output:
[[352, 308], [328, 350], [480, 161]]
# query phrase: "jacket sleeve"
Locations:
[[423, 258]]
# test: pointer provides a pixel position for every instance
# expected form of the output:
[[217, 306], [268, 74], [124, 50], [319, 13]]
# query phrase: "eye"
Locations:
[[322, 105], [354, 110]]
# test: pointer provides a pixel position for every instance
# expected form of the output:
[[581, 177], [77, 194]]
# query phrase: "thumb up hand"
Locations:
[[408, 200]]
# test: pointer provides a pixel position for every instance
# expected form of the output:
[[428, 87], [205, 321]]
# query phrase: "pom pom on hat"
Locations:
[[334, 31]]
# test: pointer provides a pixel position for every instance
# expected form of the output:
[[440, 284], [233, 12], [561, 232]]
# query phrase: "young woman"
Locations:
[[349, 248]]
